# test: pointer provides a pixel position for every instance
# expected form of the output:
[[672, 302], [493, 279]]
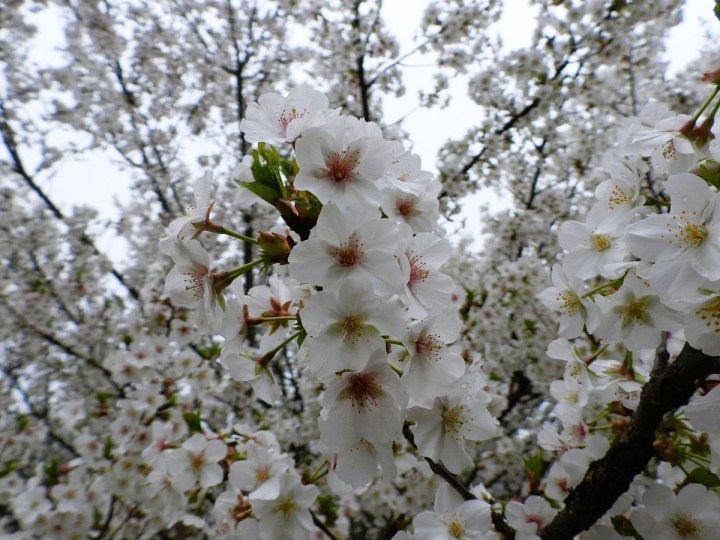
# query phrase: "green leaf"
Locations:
[[268, 182], [534, 465], [192, 419], [717, 9], [704, 476]]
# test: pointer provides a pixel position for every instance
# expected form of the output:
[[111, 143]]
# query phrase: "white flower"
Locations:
[[346, 327], [692, 514], [431, 367], [634, 316], [620, 193], [404, 172], [454, 518], [341, 162], [340, 248], [259, 473], [196, 462], [565, 297], [190, 224], [419, 212], [702, 319], [286, 516], [425, 287], [440, 432], [275, 118], [529, 517], [684, 245], [592, 246], [368, 404]]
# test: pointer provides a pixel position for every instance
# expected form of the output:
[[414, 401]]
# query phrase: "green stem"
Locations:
[[240, 270], [268, 356], [278, 319], [704, 106], [602, 286], [219, 229], [393, 341]]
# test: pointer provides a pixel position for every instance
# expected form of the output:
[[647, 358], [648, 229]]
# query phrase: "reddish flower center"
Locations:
[[406, 208], [418, 273], [362, 390], [348, 254], [340, 168]]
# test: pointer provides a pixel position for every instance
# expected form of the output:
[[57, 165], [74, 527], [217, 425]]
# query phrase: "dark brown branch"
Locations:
[[610, 477]]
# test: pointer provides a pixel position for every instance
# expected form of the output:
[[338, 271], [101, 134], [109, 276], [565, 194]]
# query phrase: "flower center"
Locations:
[[352, 328], [286, 118], [362, 390], [456, 528], [406, 208], [340, 168], [617, 197], [599, 242], [709, 313], [349, 254], [261, 474], [427, 345], [634, 313], [569, 302], [452, 421], [685, 526], [693, 234], [417, 270], [285, 507]]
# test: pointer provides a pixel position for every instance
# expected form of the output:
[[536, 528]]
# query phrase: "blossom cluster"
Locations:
[[356, 280], [639, 276]]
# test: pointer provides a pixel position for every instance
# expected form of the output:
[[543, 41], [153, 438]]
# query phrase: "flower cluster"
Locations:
[[356, 280]]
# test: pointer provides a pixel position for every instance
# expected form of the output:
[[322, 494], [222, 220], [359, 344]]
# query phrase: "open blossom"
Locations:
[[196, 462], [358, 465], [620, 194], [368, 404], [339, 249], [565, 297], [454, 518], [634, 316], [286, 516], [404, 172], [420, 212], [425, 287], [431, 367], [191, 223], [440, 432], [346, 327], [593, 247], [657, 135], [683, 245], [275, 118], [341, 162], [702, 318], [692, 514], [529, 517], [260, 472]]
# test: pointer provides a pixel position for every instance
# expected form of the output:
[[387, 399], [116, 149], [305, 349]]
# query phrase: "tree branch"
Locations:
[[610, 477]]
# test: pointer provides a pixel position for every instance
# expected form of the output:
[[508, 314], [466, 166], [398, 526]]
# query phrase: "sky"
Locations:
[[93, 180]]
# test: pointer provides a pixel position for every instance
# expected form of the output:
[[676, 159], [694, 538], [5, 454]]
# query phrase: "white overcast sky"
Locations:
[[95, 181]]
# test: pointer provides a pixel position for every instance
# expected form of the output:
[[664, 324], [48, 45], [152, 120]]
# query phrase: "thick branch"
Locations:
[[610, 477]]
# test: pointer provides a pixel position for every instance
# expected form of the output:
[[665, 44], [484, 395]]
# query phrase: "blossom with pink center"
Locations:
[[404, 172], [339, 249], [368, 404], [276, 118], [341, 162], [529, 517], [191, 223], [431, 367], [420, 212], [425, 287]]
